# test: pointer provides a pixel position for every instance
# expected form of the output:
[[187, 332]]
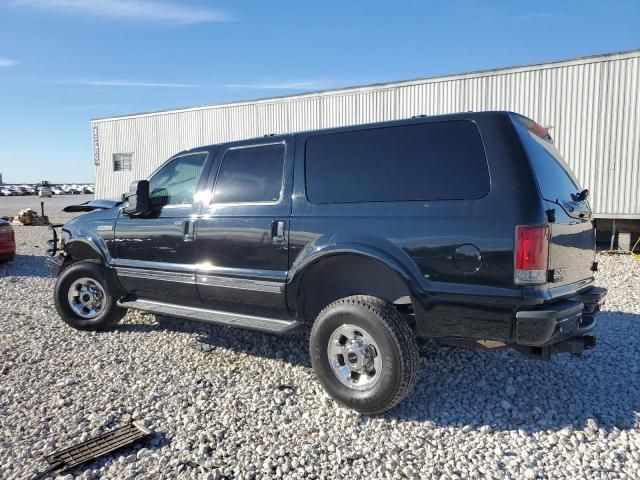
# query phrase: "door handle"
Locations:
[[189, 230], [277, 232]]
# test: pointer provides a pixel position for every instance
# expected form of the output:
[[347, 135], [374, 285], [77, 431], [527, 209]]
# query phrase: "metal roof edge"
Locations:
[[373, 86]]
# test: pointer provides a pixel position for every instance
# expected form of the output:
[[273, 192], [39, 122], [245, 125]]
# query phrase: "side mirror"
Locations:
[[138, 201]]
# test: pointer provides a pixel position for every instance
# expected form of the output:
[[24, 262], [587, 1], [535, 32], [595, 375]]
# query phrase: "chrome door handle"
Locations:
[[277, 232], [189, 230]]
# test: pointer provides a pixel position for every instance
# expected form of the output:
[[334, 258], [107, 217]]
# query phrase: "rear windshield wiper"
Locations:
[[581, 196]]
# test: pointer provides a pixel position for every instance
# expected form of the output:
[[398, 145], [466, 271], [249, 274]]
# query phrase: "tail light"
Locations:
[[532, 254]]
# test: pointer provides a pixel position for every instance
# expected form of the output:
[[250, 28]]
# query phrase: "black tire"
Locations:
[[109, 312], [393, 337]]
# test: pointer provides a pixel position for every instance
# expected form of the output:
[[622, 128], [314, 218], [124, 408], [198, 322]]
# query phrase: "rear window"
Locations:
[[427, 161], [555, 178]]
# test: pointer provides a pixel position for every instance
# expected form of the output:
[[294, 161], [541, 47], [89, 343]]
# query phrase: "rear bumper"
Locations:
[[557, 322]]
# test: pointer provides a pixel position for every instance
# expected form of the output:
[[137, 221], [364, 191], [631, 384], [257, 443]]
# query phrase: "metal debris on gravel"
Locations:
[[226, 412], [75, 456]]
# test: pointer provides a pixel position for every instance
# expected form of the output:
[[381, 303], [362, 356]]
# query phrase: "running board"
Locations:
[[250, 322]]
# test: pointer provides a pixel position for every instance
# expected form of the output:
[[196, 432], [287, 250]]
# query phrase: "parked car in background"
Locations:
[[467, 228], [6, 192], [7, 242], [70, 189], [57, 191], [17, 191], [44, 192]]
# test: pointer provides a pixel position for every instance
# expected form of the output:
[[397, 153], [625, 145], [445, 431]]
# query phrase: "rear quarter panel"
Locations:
[[423, 236]]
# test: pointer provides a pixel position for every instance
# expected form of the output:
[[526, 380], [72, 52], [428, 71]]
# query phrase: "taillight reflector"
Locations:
[[532, 254]]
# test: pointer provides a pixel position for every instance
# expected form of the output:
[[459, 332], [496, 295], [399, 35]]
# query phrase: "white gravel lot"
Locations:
[[225, 411]]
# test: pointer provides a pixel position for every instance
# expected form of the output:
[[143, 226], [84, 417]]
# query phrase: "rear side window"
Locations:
[[428, 161], [250, 175], [555, 179]]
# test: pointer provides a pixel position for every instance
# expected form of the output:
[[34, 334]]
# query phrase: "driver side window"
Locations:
[[176, 182]]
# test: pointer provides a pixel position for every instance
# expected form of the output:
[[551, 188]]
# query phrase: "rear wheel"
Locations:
[[83, 300], [364, 353]]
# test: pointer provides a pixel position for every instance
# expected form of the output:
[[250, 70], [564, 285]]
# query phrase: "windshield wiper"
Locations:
[[581, 196]]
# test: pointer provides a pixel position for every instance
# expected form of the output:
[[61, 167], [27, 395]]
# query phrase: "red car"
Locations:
[[7, 242]]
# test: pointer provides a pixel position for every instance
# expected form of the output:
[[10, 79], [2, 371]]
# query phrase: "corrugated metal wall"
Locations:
[[591, 104]]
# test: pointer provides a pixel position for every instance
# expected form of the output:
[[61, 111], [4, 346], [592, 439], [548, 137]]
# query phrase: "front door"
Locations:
[[242, 234], [155, 254]]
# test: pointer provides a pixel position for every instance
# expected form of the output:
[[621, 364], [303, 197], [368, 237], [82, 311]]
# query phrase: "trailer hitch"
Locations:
[[575, 346]]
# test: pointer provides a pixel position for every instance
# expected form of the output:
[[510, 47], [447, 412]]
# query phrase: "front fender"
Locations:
[[84, 250], [88, 236], [85, 243]]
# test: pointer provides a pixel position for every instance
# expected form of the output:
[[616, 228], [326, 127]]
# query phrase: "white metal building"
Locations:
[[590, 104]]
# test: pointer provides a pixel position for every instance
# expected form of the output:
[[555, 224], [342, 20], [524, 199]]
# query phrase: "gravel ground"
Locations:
[[238, 404]]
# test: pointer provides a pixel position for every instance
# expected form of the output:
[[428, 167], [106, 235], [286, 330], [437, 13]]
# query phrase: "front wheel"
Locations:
[[364, 353], [83, 300]]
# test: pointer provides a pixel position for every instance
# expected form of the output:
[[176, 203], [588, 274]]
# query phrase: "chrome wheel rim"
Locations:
[[354, 356], [86, 298]]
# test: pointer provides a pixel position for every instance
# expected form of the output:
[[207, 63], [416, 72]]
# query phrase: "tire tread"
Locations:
[[114, 316], [402, 335]]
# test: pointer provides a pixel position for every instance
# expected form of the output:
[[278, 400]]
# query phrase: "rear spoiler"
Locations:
[[92, 205]]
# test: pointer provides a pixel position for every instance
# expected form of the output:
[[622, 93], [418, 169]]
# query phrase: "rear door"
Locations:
[[572, 249], [243, 232], [155, 254]]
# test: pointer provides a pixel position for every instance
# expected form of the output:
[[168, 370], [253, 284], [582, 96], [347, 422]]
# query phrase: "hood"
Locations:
[[92, 205], [106, 210]]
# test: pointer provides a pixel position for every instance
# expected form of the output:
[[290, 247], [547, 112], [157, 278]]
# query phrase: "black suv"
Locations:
[[468, 228]]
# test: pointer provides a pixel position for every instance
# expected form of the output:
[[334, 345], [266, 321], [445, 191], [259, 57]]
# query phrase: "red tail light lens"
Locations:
[[532, 254]]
